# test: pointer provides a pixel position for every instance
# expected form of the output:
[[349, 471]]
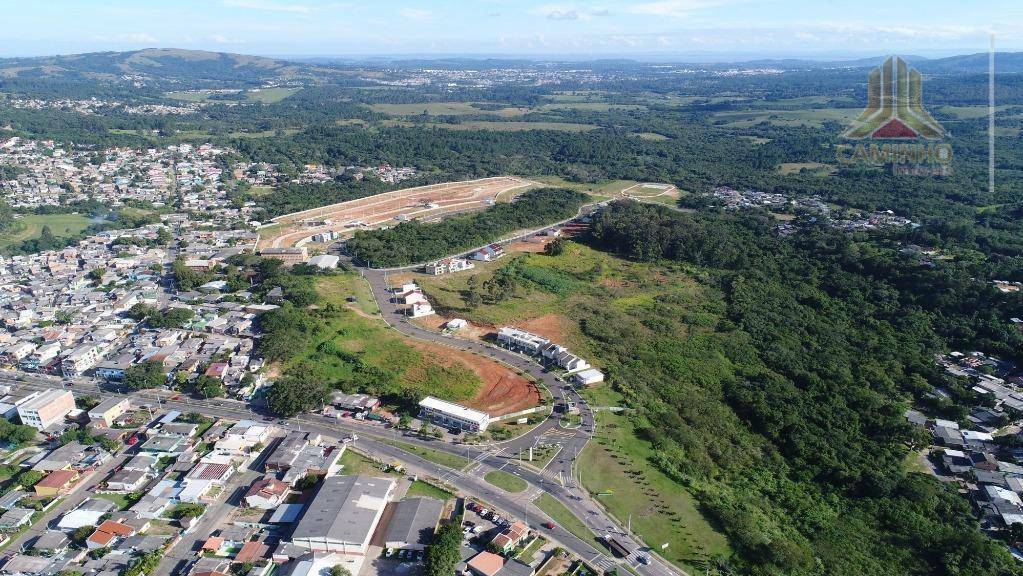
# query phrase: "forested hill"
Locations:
[[165, 64], [791, 431]]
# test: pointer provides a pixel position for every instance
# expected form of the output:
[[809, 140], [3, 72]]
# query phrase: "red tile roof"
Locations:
[[251, 551], [58, 479], [486, 563]]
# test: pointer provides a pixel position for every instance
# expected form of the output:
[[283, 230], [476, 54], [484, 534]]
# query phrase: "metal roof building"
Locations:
[[343, 514], [453, 415], [413, 523]]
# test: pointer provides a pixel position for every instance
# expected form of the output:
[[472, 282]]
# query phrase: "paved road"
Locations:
[[80, 493], [558, 478]]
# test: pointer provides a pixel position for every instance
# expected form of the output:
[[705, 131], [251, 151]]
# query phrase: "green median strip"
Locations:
[[506, 481], [436, 456], [564, 518]]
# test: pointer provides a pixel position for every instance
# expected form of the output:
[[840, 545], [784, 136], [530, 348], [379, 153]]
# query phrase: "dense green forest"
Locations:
[[415, 242], [785, 415]]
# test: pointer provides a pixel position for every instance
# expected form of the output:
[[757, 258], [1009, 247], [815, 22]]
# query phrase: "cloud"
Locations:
[[221, 39], [268, 6], [563, 12], [672, 8], [415, 14]]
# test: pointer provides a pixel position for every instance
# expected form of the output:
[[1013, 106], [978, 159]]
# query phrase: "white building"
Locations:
[[588, 377], [453, 415], [81, 359], [526, 341], [343, 515]]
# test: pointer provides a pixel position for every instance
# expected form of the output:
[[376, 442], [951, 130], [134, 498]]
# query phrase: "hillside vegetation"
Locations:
[[415, 242]]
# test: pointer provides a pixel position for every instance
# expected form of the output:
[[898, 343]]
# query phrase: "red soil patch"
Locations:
[[550, 326], [503, 391], [532, 245]]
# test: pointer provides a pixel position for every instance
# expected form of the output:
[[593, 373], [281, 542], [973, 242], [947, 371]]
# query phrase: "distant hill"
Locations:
[[165, 65], [1005, 62]]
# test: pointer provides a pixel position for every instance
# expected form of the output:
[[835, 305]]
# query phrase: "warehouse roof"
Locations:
[[456, 410], [414, 520], [344, 509]]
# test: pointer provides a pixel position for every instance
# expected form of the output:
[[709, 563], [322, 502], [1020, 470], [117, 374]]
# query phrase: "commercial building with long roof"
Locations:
[[343, 514]]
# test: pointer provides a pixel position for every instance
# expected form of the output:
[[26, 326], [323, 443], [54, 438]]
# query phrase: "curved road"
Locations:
[[557, 478]]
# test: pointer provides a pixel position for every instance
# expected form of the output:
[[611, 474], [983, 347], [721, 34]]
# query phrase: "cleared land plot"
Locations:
[[444, 109], [422, 202], [31, 226], [619, 461], [787, 168], [506, 481], [813, 118], [264, 95], [477, 381]]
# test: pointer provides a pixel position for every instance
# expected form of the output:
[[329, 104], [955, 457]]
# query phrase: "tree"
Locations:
[[81, 534], [339, 570], [187, 510], [555, 247], [96, 274], [29, 478], [144, 375], [16, 434], [293, 395], [64, 316], [210, 387], [443, 553]]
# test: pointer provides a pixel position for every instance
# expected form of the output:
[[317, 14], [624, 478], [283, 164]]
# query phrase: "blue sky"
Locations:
[[686, 29]]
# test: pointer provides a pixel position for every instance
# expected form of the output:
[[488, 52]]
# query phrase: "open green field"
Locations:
[[620, 461], [436, 456], [506, 481], [31, 226], [444, 109], [812, 118], [420, 488], [578, 278], [264, 95], [349, 342], [270, 95], [339, 288], [355, 463], [564, 518], [497, 126], [787, 168], [652, 136]]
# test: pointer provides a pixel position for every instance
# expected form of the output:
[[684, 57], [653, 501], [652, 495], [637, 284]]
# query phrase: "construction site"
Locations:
[[336, 221]]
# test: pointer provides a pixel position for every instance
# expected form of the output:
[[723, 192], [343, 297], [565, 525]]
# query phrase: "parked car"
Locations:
[[548, 525]]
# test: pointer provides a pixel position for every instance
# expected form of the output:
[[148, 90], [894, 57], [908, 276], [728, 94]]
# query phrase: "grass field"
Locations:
[[564, 518], [31, 226], [374, 345], [355, 463], [618, 460], [506, 481], [444, 109], [420, 488], [787, 168], [270, 95], [496, 126], [652, 136], [264, 95], [813, 117], [436, 456]]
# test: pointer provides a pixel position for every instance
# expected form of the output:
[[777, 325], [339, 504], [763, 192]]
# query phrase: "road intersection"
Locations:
[[557, 477]]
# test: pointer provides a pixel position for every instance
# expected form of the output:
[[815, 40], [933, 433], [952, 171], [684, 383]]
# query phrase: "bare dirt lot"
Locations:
[[424, 202], [504, 391]]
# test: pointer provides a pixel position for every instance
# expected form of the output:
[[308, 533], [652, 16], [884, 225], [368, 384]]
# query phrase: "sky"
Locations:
[[655, 29]]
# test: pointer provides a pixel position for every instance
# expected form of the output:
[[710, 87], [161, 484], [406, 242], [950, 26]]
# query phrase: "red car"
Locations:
[[548, 525]]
